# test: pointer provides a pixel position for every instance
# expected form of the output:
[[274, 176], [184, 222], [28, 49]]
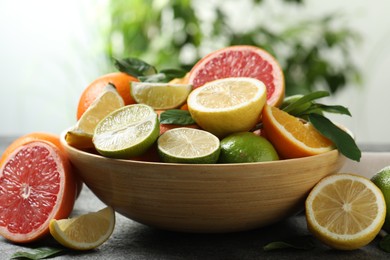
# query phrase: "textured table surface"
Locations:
[[132, 240]]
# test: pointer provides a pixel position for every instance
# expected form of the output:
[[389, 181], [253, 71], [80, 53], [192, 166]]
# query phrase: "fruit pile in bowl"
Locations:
[[217, 149]]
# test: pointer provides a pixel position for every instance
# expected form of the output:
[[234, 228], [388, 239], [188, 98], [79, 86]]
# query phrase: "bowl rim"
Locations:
[[279, 162]]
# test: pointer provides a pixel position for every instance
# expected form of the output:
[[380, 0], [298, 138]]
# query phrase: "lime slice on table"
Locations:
[[127, 132], [160, 95], [188, 145]]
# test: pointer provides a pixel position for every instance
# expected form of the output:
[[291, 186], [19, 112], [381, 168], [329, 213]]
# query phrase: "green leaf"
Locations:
[[177, 117], [300, 243], [173, 73], [39, 253], [384, 244], [337, 109], [305, 99], [135, 67], [342, 140]]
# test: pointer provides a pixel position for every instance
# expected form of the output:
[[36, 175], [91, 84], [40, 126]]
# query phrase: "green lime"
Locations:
[[382, 180], [127, 132], [246, 147], [160, 95], [188, 145]]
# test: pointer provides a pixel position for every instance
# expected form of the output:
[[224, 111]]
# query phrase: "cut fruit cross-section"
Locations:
[[241, 61], [227, 105], [84, 232], [345, 211], [160, 95], [127, 132], [188, 145], [292, 137]]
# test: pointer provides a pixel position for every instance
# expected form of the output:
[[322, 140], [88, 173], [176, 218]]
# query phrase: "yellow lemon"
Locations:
[[345, 211], [228, 105], [84, 232]]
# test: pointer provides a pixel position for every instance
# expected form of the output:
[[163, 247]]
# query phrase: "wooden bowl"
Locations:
[[213, 198]]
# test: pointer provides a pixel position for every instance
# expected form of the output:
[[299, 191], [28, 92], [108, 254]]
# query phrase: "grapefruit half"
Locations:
[[241, 61], [36, 185]]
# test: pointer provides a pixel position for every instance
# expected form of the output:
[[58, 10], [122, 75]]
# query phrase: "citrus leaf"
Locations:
[[337, 109], [177, 117], [39, 253], [305, 99], [384, 244], [300, 243], [135, 67], [342, 140], [173, 73]]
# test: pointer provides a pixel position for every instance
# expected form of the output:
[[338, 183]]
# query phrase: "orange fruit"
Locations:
[[36, 184], [119, 79], [291, 137], [241, 61]]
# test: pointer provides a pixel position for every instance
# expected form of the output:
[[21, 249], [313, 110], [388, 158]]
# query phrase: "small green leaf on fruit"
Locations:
[[176, 116], [342, 140]]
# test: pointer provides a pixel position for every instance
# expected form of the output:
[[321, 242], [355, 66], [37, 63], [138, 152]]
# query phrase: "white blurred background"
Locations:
[[51, 50]]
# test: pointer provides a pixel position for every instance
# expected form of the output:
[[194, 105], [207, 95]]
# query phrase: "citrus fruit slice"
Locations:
[[127, 132], [227, 105], [188, 145], [345, 211], [160, 95], [36, 185], [291, 137], [241, 61], [108, 101], [246, 147], [86, 231], [119, 79], [382, 181]]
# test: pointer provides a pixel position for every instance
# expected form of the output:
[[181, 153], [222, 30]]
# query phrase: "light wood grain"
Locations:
[[203, 198]]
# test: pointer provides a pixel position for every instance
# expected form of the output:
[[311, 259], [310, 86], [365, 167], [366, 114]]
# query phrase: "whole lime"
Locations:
[[246, 147], [382, 180]]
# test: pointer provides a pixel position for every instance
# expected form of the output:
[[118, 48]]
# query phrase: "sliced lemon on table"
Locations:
[[127, 132], [227, 105], [160, 95], [345, 211], [188, 145], [80, 135], [84, 232]]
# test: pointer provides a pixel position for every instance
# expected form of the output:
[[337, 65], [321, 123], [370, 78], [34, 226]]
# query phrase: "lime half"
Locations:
[[160, 95], [187, 145], [127, 132]]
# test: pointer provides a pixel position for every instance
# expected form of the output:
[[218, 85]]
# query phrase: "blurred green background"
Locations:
[[172, 34]]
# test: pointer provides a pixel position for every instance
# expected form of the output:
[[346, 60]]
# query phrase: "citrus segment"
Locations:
[[345, 211], [241, 61], [84, 232], [292, 137], [127, 132], [228, 105], [188, 145], [119, 79], [108, 101], [160, 95], [36, 185]]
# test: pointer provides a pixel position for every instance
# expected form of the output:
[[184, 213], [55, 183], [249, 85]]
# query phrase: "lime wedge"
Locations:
[[188, 145], [127, 132], [160, 95], [80, 136]]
